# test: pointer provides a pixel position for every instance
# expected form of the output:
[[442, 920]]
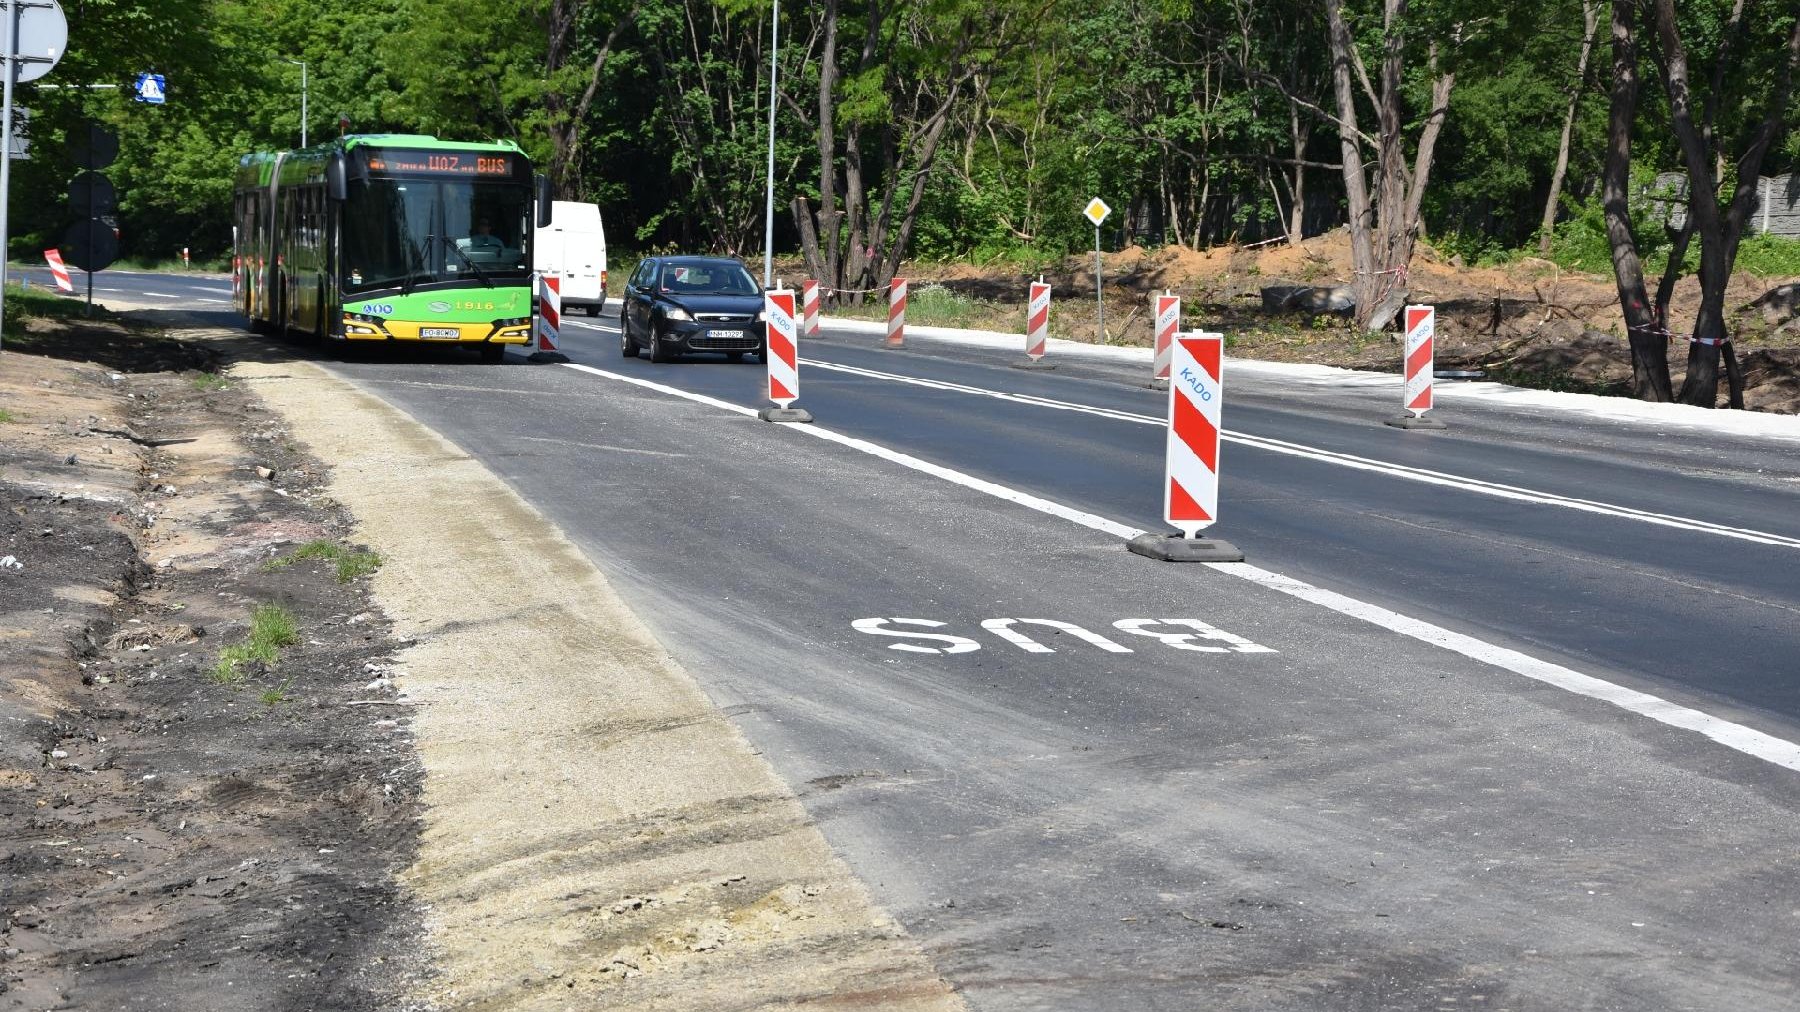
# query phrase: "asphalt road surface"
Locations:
[[1496, 717]]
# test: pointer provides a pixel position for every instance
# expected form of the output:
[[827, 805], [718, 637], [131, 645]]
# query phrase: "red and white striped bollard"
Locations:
[[59, 270], [809, 308], [896, 332], [1421, 341], [1191, 455], [549, 328], [1037, 327], [1168, 321], [782, 351]]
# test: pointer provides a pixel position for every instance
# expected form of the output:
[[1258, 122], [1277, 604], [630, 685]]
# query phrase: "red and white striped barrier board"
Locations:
[[549, 328], [896, 334], [809, 308], [59, 270], [1196, 393], [784, 353], [1168, 321], [1037, 321], [1421, 330]]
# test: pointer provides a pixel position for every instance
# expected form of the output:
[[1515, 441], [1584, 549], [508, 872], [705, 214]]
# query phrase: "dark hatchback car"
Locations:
[[677, 305]]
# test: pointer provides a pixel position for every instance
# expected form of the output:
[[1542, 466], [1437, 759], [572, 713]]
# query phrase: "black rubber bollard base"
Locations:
[[1033, 363], [1416, 422], [1175, 548], [785, 415], [555, 357]]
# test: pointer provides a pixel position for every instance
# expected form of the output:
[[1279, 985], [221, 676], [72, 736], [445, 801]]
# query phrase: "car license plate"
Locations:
[[725, 333], [451, 332]]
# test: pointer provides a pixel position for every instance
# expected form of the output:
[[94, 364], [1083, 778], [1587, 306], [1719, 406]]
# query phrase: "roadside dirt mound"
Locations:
[[1528, 321]]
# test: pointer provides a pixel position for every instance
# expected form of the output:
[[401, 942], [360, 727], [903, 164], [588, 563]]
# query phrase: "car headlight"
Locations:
[[677, 313], [759, 318]]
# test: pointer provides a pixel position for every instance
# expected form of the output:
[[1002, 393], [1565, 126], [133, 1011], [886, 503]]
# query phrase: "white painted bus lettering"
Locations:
[[879, 627], [1190, 640], [1003, 628]]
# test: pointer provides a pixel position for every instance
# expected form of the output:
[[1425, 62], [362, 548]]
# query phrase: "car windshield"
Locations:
[[708, 279], [405, 232]]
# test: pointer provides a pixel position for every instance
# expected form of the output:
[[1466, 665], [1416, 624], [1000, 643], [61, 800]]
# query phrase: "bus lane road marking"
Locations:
[[1189, 634], [1737, 737], [1407, 472]]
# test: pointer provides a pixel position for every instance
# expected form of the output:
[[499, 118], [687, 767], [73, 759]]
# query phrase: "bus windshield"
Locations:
[[402, 233]]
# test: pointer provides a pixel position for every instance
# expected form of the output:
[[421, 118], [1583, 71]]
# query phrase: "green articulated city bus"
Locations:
[[389, 237]]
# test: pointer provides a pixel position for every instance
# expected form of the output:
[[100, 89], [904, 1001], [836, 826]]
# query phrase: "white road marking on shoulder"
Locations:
[[1419, 474], [1734, 736], [1737, 737]]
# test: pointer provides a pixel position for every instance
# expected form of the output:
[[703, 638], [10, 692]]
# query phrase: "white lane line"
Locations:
[[1409, 473], [1737, 737]]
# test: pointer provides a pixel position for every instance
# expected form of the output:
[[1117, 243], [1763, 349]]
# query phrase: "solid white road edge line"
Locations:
[[1737, 737], [1419, 474]]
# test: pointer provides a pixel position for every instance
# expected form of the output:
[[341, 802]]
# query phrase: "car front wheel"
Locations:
[[657, 354], [627, 347]]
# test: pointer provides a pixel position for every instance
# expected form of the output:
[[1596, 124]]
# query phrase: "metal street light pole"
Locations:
[[769, 210], [302, 65]]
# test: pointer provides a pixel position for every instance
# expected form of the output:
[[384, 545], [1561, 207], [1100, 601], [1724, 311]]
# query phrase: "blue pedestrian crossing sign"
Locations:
[[150, 88]]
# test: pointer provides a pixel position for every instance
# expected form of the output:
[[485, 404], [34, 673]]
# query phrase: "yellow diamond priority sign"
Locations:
[[1096, 211]]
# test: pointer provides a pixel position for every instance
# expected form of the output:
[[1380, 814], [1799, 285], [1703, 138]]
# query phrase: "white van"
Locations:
[[572, 248]]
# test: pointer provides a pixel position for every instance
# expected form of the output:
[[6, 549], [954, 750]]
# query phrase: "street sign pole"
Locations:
[[1096, 212], [1099, 297], [11, 53], [46, 35]]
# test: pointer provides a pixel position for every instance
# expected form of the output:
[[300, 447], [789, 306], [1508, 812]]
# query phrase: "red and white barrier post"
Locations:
[[59, 271], [1191, 458], [809, 308], [1421, 335], [782, 353], [549, 326], [1168, 321], [896, 333], [1037, 327]]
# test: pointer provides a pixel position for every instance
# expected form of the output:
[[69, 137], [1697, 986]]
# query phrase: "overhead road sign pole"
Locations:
[[769, 205], [35, 36], [1191, 459]]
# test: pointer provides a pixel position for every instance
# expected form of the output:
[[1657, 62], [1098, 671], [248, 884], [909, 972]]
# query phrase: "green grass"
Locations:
[[24, 303], [271, 628], [7, 416], [349, 564], [276, 693], [209, 381]]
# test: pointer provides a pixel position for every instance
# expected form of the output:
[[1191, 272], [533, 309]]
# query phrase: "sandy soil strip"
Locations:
[[598, 835]]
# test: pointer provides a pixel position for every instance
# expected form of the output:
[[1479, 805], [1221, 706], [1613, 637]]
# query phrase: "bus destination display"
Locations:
[[442, 163]]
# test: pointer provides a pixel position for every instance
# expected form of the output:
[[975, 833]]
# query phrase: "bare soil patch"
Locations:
[[168, 840]]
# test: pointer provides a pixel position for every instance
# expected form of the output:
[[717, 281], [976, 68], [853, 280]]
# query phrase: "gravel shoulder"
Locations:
[[597, 833]]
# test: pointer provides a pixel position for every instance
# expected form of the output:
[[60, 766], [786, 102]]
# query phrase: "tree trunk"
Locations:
[[1590, 10], [1356, 180], [1719, 229], [1649, 341]]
